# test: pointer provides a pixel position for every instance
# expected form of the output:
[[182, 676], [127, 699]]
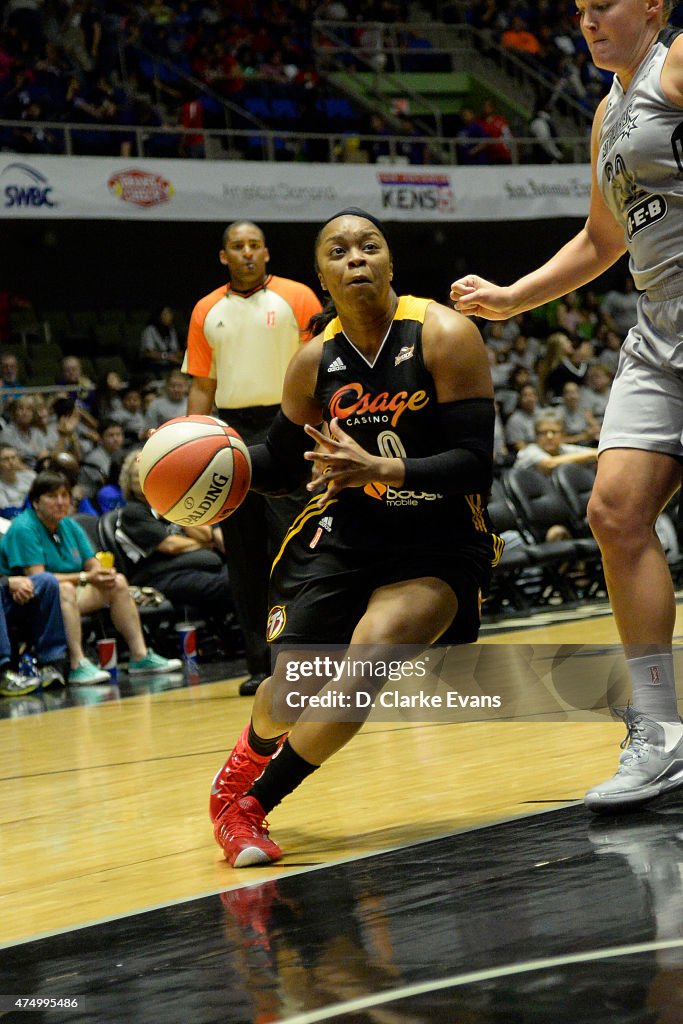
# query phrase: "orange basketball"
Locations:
[[195, 470]]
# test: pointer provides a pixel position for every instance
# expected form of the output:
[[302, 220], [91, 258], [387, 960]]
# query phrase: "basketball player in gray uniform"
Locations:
[[396, 548], [636, 206]]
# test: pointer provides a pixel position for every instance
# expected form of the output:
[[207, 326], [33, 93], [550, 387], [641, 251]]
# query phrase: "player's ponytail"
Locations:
[[319, 321]]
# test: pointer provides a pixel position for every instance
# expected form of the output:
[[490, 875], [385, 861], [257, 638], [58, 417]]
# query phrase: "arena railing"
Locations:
[[74, 139]]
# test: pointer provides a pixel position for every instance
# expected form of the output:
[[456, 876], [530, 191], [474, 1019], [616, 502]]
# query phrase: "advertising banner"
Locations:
[[104, 188]]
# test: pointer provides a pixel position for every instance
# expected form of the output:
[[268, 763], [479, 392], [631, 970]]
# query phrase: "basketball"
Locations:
[[195, 470]]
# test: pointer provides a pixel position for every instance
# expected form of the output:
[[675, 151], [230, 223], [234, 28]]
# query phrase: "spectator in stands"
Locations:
[[557, 347], [518, 38], [80, 388], [620, 306], [43, 538], [520, 429], [572, 366], [568, 312], [524, 351], [15, 482], [132, 417], [102, 465], [70, 467], [508, 396], [545, 149], [502, 456], [32, 603], [501, 333], [9, 372], [71, 434], [186, 565], [108, 403], [44, 422], [599, 383], [20, 432], [160, 349], [471, 147], [171, 402], [499, 367], [611, 342], [487, 16], [550, 450], [72, 35], [34, 137], [191, 117], [580, 425], [378, 148], [496, 127]]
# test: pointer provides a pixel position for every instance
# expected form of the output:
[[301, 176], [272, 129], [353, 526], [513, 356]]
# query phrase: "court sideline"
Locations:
[[104, 820]]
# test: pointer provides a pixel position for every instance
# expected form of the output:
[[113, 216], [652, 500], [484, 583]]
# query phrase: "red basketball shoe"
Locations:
[[237, 775], [242, 833]]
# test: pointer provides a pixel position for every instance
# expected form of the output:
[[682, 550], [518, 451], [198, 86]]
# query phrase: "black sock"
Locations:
[[263, 747], [282, 775]]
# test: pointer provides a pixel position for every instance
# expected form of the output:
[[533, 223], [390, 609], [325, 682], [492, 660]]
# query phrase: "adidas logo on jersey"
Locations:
[[337, 364], [326, 523]]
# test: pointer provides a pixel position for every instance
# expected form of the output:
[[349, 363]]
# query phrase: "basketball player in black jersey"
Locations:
[[394, 546]]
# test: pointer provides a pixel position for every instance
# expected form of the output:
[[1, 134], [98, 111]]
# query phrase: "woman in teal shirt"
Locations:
[[44, 539]]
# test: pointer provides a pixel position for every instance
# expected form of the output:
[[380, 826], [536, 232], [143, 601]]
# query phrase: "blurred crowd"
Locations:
[[90, 420], [559, 360], [167, 65], [159, 64]]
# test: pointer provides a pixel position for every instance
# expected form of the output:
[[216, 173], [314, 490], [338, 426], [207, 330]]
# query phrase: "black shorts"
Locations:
[[319, 593]]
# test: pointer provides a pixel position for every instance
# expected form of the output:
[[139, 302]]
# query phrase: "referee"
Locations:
[[241, 338]]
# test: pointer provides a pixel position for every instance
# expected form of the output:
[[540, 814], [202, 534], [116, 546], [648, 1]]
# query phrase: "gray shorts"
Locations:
[[645, 407]]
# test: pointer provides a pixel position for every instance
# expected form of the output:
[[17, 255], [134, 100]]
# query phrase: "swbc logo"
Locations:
[[28, 189]]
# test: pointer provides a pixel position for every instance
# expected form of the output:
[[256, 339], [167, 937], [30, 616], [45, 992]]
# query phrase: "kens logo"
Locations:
[[351, 400]]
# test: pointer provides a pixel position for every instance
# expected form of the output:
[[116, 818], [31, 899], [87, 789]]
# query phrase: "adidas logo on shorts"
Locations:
[[337, 364]]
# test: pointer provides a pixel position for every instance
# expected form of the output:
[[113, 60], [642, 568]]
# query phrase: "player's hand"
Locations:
[[475, 296], [338, 462]]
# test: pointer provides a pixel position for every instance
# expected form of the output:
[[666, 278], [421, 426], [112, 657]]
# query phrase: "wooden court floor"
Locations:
[[103, 808]]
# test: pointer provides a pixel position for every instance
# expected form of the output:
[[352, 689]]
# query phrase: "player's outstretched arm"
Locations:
[[589, 253]]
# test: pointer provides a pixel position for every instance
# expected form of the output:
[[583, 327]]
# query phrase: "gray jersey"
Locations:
[[640, 171]]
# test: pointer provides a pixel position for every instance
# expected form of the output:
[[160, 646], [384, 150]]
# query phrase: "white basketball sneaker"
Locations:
[[652, 764]]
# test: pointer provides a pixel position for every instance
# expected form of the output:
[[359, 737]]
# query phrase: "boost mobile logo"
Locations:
[[30, 190]]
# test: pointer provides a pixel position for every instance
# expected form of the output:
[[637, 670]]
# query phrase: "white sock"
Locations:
[[654, 686]]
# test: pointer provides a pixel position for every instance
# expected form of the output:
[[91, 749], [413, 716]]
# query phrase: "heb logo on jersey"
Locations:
[[355, 406], [390, 496], [413, 191], [140, 188], [28, 188], [647, 211]]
